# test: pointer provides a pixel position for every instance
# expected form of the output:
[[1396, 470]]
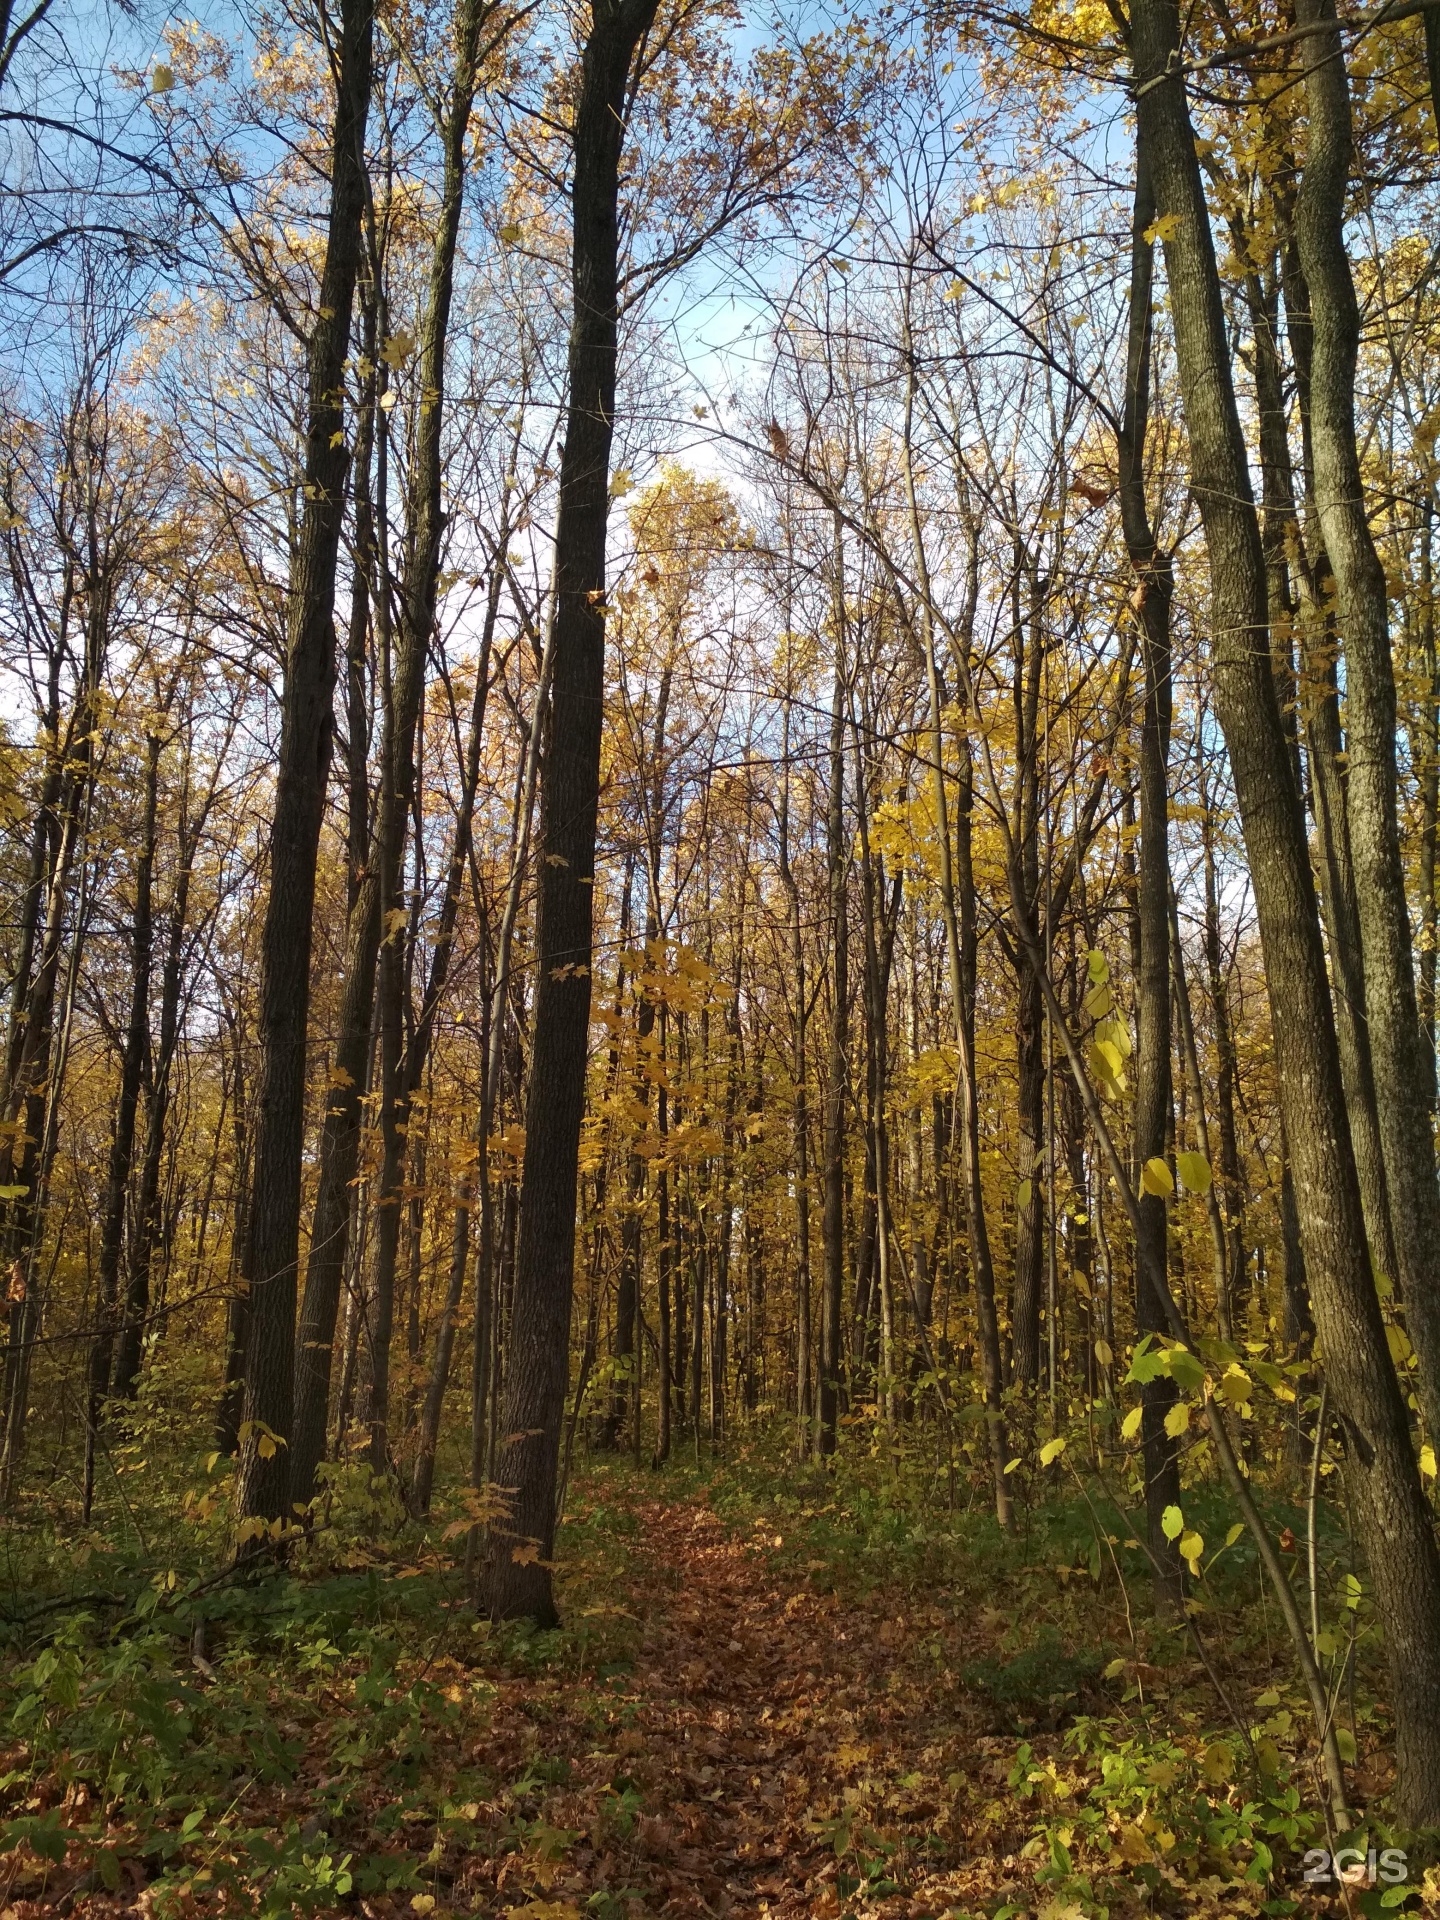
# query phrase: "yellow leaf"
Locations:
[[620, 483], [1194, 1170], [1051, 1450], [1103, 1353], [1130, 1425], [1177, 1420], [1217, 1762], [1192, 1545], [1099, 1001], [1022, 1196], [162, 80], [1427, 1461], [398, 348], [1010, 1465], [1235, 1532], [1134, 1847], [1398, 1342], [1235, 1389], [1107, 1066], [1165, 228], [1172, 1523], [510, 234], [526, 1554], [1155, 1179], [1097, 967]]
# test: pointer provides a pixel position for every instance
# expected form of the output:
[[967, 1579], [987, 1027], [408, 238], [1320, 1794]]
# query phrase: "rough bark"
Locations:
[[1403, 1070], [517, 1573], [1391, 1512], [303, 763]]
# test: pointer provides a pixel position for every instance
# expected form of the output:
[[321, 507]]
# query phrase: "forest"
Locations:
[[719, 797]]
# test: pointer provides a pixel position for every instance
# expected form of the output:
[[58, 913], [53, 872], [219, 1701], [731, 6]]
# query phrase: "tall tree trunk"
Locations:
[[148, 1233], [1029, 1215], [1231, 1183], [799, 1115], [1329, 783], [1154, 590], [122, 1141], [1426, 752], [517, 1576], [1403, 1071], [1392, 1515], [832, 1306], [304, 758], [958, 909]]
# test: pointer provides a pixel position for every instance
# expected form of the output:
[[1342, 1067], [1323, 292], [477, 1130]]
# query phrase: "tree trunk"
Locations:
[[122, 1141], [1154, 590], [1403, 1071], [517, 1575], [832, 1306], [304, 758], [1392, 1515]]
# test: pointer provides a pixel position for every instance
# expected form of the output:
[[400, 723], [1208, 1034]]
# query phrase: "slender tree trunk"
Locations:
[[957, 902], [304, 758], [799, 1114], [1427, 756], [122, 1141], [1151, 600], [1029, 1215], [833, 1219], [517, 1576]]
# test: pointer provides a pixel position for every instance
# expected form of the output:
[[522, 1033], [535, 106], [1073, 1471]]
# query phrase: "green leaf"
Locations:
[[1185, 1369], [1194, 1171], [1172, 1523]]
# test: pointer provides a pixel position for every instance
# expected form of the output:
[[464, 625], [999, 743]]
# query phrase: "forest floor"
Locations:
[[757, 1705]]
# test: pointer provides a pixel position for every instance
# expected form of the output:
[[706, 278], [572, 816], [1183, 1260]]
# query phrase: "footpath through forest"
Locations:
[[753, 1708], [793, 1752]]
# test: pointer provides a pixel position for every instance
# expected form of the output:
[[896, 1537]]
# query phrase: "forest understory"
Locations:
[[817, 1694]]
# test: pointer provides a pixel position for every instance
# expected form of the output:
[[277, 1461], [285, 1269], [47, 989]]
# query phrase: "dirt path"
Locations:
[[789, 1751]]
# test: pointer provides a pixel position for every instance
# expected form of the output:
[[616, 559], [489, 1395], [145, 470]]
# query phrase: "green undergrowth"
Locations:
[[309, 1738], [1149, 1751]]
